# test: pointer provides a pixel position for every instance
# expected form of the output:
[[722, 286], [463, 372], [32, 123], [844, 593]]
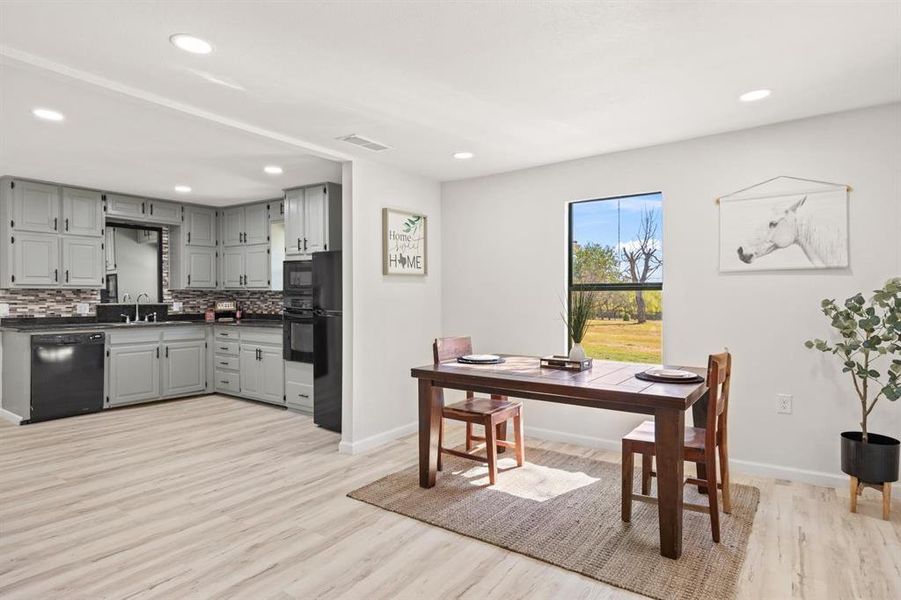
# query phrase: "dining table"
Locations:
[[609, 385]]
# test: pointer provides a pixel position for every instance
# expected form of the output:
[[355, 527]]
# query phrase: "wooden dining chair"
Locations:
[[701, 446], [492, 413]]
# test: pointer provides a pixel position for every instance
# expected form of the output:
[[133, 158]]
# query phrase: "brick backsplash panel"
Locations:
[[61, 303]]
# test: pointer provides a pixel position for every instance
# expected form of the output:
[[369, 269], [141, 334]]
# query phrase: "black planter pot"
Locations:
[[875, 461]]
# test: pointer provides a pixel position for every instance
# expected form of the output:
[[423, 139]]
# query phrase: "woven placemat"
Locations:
[[565, 510]]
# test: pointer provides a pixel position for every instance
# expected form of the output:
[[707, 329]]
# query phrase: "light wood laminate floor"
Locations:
[[215, 497]]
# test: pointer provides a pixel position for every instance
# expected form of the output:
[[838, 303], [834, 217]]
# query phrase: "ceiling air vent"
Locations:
[[358, 140]]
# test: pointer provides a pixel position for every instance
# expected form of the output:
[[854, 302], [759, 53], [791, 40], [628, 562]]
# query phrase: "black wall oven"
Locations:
[[298, 332]]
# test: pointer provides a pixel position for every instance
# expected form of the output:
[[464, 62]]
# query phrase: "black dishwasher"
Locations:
[[66, 375]]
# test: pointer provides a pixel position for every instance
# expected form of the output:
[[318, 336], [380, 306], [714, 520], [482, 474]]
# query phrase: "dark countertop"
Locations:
[[51, 324]]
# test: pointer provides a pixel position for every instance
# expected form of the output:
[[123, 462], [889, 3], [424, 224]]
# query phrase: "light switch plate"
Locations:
[[4, 310], [83, 308], [784, 404], [176, 306]]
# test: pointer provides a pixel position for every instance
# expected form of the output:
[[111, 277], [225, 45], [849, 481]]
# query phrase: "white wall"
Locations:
[[504, 272], [394, 318]]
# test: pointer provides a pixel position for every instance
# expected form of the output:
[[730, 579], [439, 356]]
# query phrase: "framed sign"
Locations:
[[403, 243]]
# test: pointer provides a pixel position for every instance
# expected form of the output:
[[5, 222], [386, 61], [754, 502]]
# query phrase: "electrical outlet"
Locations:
[[4, 310], [176, 306], [784, 404], [82, 308]]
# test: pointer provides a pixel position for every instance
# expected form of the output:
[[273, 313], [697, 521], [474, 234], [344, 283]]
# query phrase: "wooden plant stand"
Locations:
[[857, 487]]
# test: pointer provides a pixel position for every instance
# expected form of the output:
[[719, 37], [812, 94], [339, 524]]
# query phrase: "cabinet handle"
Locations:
[[167, 351], [67, 275], [189, 279], [55, 274], [157, 351], [303, 395], [225, 381], [67, 223], [222, 362], [142, 208], [189, 237], [304, 244], [151, 209], [298, 243], [223, 347], [55, 223]]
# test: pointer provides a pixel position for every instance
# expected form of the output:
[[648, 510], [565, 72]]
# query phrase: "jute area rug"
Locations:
[[565, 510]]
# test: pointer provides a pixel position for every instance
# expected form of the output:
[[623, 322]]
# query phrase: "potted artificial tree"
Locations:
[[870, 350], [581, 311]]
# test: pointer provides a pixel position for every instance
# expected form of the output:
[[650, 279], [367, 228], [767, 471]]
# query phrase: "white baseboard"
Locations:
[[740, 466], [11, 417], [379, 439]]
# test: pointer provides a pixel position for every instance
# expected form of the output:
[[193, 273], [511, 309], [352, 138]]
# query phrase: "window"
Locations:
[[616, 254]]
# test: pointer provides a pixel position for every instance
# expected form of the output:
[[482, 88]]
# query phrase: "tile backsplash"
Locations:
[[61, 303]]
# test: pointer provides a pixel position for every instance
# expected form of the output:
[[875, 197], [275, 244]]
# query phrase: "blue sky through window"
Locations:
[[615, 221]]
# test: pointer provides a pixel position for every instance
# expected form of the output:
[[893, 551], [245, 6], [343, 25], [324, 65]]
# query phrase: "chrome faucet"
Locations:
[[125, 297], [138, 301]]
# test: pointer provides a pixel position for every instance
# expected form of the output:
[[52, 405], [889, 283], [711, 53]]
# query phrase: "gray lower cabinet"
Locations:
[[249, 363], [134, 373], [299, 386], [35, 259], [262, 373], [184, 368], [83, 262]]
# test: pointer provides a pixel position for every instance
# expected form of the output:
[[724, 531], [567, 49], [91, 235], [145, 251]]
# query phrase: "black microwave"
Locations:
[[298, 277]]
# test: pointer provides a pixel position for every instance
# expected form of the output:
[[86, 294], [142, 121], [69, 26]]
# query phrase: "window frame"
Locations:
[[601, 287]]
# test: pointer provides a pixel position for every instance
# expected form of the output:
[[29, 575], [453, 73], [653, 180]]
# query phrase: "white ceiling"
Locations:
[[518, 84]]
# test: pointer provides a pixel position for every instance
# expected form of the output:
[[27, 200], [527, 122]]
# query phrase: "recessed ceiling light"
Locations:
[[754, 95], [183, 189], [273, 169], [191, 44], [47, 114], [463, 155]]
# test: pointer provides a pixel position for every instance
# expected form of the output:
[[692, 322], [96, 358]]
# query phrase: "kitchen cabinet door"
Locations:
[[165, 212], [256, 267], [110, 249], [277, 210], [272, 375], [201, 226], [35, 207], [233, 267], [250, 372], [82, 262], [233, 228], [82, 212], [256, 224], [315, 219], [128, 207], [134, 373], [200, 267], [35, 259], [184, 368], [294, 222]]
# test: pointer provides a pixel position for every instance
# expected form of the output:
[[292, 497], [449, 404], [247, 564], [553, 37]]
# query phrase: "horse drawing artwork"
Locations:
[[798, 224]]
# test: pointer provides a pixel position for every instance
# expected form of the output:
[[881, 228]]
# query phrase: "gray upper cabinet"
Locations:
[[233, 267], [256, 266], [83, 262], [184, 368], [82, 212], [110, 249], [200, 226], [316, 218], [277, 210], [127, 207], [233, 226], [256, 224], [294, 203], [134, 373], [35, 259], [200, 267], [35, 207], [312, 219], [164, 212]]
